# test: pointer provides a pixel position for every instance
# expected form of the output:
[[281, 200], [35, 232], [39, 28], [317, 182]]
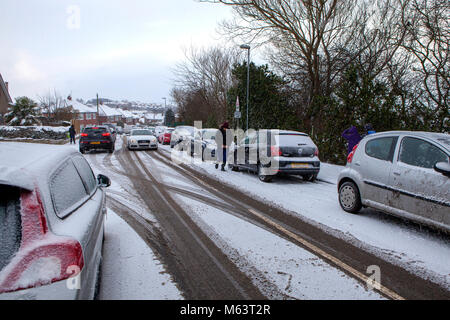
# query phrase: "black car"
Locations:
[[97, 138]]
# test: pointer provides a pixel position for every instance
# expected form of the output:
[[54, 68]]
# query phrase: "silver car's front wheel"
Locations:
[[349, 197]]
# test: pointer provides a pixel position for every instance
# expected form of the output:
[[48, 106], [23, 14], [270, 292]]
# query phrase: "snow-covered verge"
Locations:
[[419, 251], [33, 133], [130, 269]]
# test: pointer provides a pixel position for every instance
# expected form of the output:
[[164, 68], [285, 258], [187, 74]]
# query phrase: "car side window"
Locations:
[[382, 148], [85, 171], [67, 189], [420, 153]]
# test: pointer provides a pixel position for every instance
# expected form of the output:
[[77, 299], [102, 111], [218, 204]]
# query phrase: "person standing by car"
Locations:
[[72, 134], [352, 136], [222, 135]]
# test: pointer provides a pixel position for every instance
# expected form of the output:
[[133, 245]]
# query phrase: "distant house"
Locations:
[[5, 99], [108, 114], [154, 118], [86, 115], [127, 117]]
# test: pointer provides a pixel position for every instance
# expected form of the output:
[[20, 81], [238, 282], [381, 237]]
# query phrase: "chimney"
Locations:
[[7, 86]]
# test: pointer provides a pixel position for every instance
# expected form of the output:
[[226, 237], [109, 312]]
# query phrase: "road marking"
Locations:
[[387, 292]]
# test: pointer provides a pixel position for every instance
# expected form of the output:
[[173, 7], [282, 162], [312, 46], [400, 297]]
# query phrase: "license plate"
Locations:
[[299, 165], [95, 142]]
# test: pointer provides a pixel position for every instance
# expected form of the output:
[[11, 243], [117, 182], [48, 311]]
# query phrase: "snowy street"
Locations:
[[190, 231]]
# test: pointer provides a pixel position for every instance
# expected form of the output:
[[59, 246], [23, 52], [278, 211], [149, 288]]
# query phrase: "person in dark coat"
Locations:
[[222, 156], [352, 136], [72, 134]]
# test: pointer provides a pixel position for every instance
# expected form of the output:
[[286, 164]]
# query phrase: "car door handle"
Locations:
[[397, 173], [357, 163]]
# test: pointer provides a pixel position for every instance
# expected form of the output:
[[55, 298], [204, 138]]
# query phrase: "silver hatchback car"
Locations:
[[406, 174], [52, 209]]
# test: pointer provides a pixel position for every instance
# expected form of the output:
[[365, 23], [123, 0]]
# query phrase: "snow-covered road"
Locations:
[[276, 265]]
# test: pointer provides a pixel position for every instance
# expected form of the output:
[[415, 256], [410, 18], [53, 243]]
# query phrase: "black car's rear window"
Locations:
[[95, 130], [10, 224]]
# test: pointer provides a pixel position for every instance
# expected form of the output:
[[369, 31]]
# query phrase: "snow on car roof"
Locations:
[[23, 164]]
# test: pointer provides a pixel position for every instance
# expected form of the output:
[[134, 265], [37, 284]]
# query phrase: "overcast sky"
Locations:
[[121, 49]]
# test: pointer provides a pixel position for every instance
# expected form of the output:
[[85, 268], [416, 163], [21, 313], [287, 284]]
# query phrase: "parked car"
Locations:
[[141, 139], [406, 174], [152, 130], [276, 152], [112, 129], [97, 138], [165, 136], [181, 133], [159, 130], [52, 211], [206, 138]]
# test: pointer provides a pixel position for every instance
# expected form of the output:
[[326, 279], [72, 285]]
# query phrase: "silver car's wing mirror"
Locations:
[[103, 181], [443, 167]]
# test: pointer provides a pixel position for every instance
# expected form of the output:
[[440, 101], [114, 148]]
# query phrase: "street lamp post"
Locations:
[[247, 47], [165, 110]]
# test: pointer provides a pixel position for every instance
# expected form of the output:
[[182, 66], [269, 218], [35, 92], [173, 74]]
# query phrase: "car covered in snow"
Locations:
[[271, 153], [141, 139], [180, 134], [406, 174], [52, 211], [203, 143]]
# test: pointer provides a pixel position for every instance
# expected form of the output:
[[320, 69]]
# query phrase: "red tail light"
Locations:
[[106, 134], [350, 156], [316, 152], [275, 151], [43, 257], [84, 134]]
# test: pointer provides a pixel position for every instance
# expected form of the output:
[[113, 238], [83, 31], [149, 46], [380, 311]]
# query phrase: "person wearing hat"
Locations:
[[222, 135]]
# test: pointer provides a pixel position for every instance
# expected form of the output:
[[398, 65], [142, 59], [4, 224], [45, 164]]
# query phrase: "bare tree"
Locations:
[[207, 72], [53, 105], [427, 24]]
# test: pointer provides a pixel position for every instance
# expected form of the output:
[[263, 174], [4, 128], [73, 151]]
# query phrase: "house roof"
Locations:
[[108, 111], [4, 89], [81, 108]]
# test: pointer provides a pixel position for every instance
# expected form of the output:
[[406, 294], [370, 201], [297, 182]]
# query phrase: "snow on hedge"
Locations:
[[33, 132]]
